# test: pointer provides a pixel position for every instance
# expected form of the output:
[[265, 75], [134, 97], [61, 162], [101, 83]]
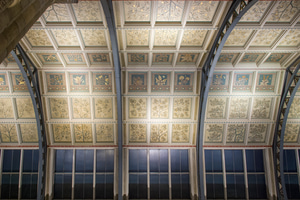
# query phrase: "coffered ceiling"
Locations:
[[162, 45]]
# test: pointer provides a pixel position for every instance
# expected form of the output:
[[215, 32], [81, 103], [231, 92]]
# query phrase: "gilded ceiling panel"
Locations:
[[159, 133], [87, 11], [4, 84], [93, 37], [236, 133], [49, 58], [137, 58], [29, 132], [242, 82], [255, 13], [291, 39], [239, 108], [165, 37], [251, 57], [227, 57], [137, 108], [104, 108], [59, 108], [220, 82], [137, 81], [216, 107], [238, 37], [265, 82], [257, 133], [25, 108], [137, 10], [181, 133], [18, 81], [265, 37], [277, 57], [214, 133], [83, 133], [261, 108], [61, 133], [104, 132], [38, 38], [187, 58], [102, 82], [138, 133], [81, 108], [99, 58], [74, 58], [285, 11], [6, 108], [137, 37], [193, 37], [295, 109], [183, 81], [57, 13], [169, 10], [160, 108], [202, 10], [160, 81], [66, 37], [182, 108], [56, 82], [8, 133], [162, 58], [291, 133], [79, 81]]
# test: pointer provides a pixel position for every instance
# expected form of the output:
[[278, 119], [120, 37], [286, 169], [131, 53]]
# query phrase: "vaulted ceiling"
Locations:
[[162, 45]]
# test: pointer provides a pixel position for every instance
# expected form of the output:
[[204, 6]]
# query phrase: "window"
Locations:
[[158, 169], [19, 166], [242, 181], [93, 172], [291, 177]]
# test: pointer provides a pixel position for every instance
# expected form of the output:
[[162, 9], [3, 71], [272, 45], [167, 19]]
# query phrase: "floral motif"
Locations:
[[19, 84], [285, 11], [219, 82], [265, 37], [59, 108], [137, 132], [93, 38], [236, 133], [165, 37], [216, 108], [242, 82], [160, 81], [182, 108], [6, 109], [159, 133], [193, 37], [137, 82], [38, 38], [265, 82], [8, 133], [29, 132], [137, 37], [87, 11], [102, 82], [255, 13], [105, 132], [239, 108], [3, 83], [159, 108], [214, 133], [183, 82], [61, 132], [79, 82], [169, 10], [25, 108], [238, 37], [181, 133], [202, 10], [257, 133], [291, 133], [56, 82], [137, 10], [137, 58], [81, 108], [137, 108], [103, 108], [291, 39], [295, 109], [83, 132], [66, 37], [261, 108], [57, 13]]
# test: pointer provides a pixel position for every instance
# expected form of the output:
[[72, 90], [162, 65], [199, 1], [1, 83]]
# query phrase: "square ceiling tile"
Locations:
[[181, 133], [87, 11], [93, 37], [165, 37], [291, 133], [66, 37], [137, 81], [137, 58], [61, 133], [49, 58], [220, 82], [25, 108], [137, 108], [294, 110], [138, 133], [285, 11], [257, 133], [238, 37], [137, 10], [8, 133], [160, 108], [38, 38], [216, 107], [214, 133], [193, 37], [81, 108], [255, 13], [239, 108], [265, 82], [99, 58], [160, 81], [57, 13], [104, 132], [74, 58], [261, 108], [169, 10], [103, 108], [6, 108], [29, 133], [236, 133], [182, 108], [137, 37], [102, 82], [159, 133], [265, 37], [83, 133], [242, 82], [56, 82], [183, 81], [19, 84], [59, 108], [79, 81], [292, 38], [202, 11]]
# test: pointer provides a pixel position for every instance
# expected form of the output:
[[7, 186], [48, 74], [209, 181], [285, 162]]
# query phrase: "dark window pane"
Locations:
[[83, 188], [234, 161], [159, 186], [255, 162], [11, 160], [257, 186], [214, 186], [235, 186], [213, 160], [29, 186], [84, 160], [31, 161], [62, 186], [137, 186], [105, 161], [104, 186], [289, 161], [180, 186], [63, 160], [179, 160], [137, 160], [158, 160], [9, 188], [292, 186]]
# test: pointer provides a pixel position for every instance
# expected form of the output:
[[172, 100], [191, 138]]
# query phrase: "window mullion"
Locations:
[[245, 173], [73, 174], [169, 174], [298, 167], [20, 173], [1, 166], [148, 174], [94, 175], [224, 174]]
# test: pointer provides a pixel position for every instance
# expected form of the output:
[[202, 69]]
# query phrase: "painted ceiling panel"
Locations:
[[49, 58], [256, 12], [169, 10], [165, 37], [137, 37], [265, 37], [38, 38], [137, 10], [74, 58], [291, 39], [99, 58], [29, 133], [57, 13], [193, 37], [238, 37], [202, 11], [251, 57], [65, 37], [94, 37], [8, 133], [285, 11], [87, 11]]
